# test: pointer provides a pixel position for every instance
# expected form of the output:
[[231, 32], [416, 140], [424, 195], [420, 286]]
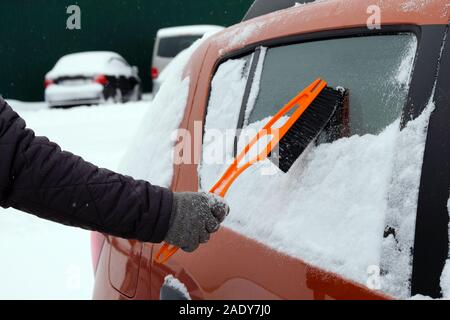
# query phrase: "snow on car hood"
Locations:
[[88, 64]]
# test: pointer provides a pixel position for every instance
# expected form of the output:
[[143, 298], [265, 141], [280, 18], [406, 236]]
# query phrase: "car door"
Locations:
[[318, 231]]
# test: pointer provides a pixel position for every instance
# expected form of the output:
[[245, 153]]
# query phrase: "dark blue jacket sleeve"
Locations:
[[37, 177]]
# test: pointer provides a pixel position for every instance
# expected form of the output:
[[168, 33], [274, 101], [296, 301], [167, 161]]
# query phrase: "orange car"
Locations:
[[364, 215]]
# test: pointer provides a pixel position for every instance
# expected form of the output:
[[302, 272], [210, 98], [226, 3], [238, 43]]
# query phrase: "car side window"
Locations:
[[329, 210], [225, 102], [171, 46], [374, 69]]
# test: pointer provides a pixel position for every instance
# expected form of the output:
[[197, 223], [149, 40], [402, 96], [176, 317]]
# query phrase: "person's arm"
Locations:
[[38, 178]]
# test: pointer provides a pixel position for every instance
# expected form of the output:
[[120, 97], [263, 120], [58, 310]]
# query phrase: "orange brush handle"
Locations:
[[302, 101]]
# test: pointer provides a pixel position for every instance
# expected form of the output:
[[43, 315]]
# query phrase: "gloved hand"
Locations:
[[194, 217]]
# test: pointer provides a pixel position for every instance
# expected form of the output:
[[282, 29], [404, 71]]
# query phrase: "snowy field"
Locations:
[[43, 260]]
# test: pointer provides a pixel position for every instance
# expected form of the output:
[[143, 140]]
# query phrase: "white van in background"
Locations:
[[170, 42]]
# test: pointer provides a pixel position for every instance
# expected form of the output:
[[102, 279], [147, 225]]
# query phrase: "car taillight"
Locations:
[[155, 73], [101, 79], [48, 82]]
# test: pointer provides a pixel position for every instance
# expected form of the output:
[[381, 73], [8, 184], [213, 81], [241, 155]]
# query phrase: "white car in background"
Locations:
[[88, 78], [170, 42]]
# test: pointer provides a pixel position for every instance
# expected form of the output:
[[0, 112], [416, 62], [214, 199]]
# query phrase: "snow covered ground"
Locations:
[[43, 260]]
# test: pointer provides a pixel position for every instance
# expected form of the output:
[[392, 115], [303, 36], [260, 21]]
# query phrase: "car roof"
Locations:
[[187, 30], [87, 63], [324, 15], [99, 56], [262, 7]]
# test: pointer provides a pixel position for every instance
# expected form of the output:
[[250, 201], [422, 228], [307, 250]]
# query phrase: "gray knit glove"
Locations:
[[194, 217]]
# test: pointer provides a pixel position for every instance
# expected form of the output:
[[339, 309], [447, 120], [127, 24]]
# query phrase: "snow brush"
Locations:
[[313, 109]]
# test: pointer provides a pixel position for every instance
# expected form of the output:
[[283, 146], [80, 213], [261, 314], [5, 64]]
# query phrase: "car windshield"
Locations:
[[373, 68], [171, 46]]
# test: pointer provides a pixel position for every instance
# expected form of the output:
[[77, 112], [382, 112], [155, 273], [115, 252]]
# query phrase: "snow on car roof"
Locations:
[[89, 64], [187, 30]]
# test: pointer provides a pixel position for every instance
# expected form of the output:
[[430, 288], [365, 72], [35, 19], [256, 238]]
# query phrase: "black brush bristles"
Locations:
[[307, 128]]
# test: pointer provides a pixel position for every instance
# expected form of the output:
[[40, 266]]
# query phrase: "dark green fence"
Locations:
[[33, 33]]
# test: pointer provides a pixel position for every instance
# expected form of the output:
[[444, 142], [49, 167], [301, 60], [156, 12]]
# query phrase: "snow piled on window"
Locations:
[[445, 277], [330, 208], [254, 92], [227, 92], [150, 157], [403, 75], [401, 205]]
